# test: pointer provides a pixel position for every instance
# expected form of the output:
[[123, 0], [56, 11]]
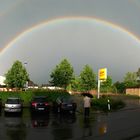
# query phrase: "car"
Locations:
[[40, 104], [64, 104], [13, 104]]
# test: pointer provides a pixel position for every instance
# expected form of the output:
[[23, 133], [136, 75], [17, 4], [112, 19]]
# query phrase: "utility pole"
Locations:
[[26, 84]]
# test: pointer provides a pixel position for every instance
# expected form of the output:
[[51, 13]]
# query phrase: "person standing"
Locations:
[[87, 105]]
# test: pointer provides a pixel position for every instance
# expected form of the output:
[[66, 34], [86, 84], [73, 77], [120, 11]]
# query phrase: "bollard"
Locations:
[[108, 103]]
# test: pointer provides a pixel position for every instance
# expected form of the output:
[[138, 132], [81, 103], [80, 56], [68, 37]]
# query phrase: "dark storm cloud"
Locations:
[[81, 45]]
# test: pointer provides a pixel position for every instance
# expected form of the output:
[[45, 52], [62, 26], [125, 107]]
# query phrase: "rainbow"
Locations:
[[62, 19]]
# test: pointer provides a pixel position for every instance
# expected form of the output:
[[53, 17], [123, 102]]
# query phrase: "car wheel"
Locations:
[[5, 113], [58, 110], [71, 111]]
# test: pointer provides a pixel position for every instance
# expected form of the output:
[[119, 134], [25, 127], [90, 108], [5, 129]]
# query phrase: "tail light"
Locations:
[[34, 104], [62, 105], [46, 104]]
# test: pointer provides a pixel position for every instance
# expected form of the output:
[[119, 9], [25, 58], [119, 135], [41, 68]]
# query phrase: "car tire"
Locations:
[[58, 110], [5, 113]]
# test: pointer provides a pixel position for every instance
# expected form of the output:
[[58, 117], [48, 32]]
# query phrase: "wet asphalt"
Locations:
[[123, 124]]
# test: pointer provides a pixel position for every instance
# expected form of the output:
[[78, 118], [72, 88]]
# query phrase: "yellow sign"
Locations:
[[103, 74]]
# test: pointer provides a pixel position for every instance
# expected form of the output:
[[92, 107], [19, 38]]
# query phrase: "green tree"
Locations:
[[108, 82], [138, 76], [17, 76], [87, 78], [62, 75], [120, 86], [130, 79], [138, 73], [75, 84], [106, 86]]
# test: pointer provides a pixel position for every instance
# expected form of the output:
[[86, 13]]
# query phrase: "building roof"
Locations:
[[31, 83]]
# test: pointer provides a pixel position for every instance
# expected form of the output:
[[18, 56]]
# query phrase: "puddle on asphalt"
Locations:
[[52, 126], [103, 128]]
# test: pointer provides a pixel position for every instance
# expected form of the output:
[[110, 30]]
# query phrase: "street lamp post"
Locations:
[[26, 84]]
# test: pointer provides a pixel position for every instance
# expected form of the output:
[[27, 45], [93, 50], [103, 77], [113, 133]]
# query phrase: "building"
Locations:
[[2, 79], [133, 91], [32, 85]]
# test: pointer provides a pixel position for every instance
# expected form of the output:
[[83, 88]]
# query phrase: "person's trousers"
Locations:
[[86, 111]]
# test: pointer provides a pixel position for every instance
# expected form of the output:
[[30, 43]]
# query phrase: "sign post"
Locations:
[[98, 96], [102, 76]]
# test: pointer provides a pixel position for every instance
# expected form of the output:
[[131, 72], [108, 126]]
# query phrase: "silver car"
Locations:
[[13, 104]]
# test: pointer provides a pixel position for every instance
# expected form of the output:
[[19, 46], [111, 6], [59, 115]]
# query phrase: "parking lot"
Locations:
[[119, 125], [41, 126]]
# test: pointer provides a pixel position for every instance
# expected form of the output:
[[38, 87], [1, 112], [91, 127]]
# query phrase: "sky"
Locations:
[[100, 33]]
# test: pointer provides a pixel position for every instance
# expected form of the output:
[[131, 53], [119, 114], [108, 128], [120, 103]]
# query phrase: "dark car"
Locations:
[[40, 104], [64, 104]]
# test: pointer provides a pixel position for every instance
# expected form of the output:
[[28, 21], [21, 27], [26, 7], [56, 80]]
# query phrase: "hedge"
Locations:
[[27, 96]]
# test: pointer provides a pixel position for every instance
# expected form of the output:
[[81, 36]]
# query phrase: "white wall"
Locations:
[[2, 78]]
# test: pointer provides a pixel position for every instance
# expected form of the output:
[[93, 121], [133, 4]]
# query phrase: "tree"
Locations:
[[106, 85], [75, 84], [62, 75], [138, 76], [120, 86], [108, 82], [17, 76], [138, 73], [87, 78], [130, 79]]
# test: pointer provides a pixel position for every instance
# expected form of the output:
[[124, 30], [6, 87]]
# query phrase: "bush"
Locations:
[[117, 104], [102, 103], [52, 95], [27, 96]]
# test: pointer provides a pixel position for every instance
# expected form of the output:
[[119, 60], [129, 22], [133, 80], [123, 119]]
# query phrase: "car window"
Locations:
[[67, 100], [13, 101], [39, 99]]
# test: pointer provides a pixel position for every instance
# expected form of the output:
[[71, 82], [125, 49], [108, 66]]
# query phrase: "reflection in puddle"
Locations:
[[41, 120], [62, 126], [103, 128], [15, 128], [63, 119], [87, 130], [57, 126]]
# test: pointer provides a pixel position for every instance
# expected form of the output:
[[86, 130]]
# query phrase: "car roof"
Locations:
[[39, 96], [64, 97], [13, 98]]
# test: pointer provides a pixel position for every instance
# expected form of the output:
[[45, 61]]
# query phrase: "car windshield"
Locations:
[[66, 100], [13, 101], [40, 99]]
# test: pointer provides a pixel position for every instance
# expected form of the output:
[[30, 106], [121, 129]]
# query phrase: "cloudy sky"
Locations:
[[101, 33]]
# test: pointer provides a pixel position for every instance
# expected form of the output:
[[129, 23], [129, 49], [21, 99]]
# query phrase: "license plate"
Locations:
[[40, 108]]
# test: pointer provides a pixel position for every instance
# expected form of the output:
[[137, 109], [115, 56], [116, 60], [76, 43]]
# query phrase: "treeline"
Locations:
[[63, 76]]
